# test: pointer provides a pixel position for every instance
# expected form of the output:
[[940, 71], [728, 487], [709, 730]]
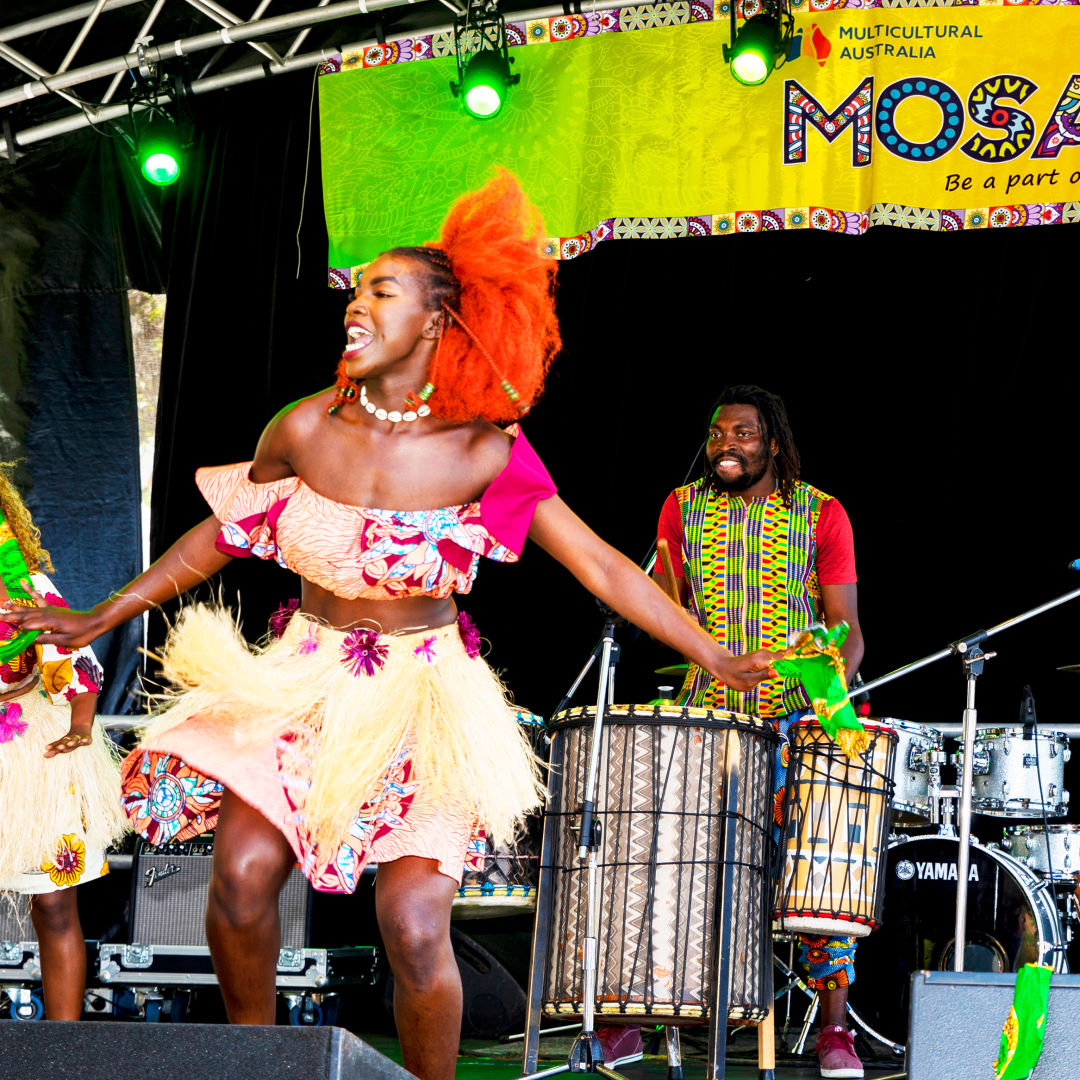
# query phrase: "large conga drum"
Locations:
[[660, 800], [836, 833]]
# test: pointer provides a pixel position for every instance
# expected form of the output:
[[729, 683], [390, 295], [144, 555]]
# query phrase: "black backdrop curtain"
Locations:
[[76, 232], [924, 390]]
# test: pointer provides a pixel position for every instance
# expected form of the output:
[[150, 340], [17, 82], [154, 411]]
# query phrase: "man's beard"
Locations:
[[752, 472]]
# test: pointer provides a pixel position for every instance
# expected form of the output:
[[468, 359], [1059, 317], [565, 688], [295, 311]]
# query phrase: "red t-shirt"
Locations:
[[835, 543]]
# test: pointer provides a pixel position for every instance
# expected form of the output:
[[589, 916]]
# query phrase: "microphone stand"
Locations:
[[972, 657]]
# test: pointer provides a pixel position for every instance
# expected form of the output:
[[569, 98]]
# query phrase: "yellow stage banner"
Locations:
[[627, 124]]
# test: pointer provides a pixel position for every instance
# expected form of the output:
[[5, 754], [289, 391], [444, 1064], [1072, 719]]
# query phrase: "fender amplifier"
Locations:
[[168, 896]]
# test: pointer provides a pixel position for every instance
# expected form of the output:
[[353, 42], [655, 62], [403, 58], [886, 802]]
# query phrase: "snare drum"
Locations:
[[505, 881], [660, 801], [835, 836], [1052, 852], [1009, 770], [915, 744]]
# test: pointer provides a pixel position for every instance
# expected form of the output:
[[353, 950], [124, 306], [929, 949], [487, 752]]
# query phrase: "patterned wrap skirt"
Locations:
[[358, 746], [58, 815]]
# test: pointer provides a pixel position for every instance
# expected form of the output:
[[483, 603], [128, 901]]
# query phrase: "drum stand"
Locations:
[[972, 656], [796, 983], [586, 1054]]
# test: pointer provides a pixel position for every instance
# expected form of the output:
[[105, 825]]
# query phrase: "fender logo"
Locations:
[[156, 873]]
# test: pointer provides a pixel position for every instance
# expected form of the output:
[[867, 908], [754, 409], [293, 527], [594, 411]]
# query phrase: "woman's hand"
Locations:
[[57, 625], [83, 709], [75, 738], [745, 672]]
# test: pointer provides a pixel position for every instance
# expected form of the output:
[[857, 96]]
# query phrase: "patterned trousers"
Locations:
[[829, 960]]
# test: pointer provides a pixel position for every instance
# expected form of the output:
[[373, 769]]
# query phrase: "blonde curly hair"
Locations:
[[27, 534]]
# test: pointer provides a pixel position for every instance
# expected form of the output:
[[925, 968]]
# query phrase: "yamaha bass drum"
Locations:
[[1012, 920]]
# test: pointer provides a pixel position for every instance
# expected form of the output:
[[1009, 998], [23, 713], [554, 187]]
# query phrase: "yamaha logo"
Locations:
[[932, 871]]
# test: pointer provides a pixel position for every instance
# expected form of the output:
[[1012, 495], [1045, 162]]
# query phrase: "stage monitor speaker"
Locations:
[[954, 1032], [168, 896], [60, 1050]]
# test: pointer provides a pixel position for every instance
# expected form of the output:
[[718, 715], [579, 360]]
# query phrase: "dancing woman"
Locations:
[[59, 780], [370, 729]]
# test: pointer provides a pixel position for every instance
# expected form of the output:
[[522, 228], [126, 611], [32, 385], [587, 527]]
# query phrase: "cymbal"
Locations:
[[672, 669], [1070, 667]]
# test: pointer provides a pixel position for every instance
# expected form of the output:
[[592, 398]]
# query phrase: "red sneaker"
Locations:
[[621, 1043], [836, 1053]]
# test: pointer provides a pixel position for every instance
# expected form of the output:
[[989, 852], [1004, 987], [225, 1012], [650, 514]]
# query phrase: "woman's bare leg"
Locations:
[[252, 859], [55, 916], [412, 901]]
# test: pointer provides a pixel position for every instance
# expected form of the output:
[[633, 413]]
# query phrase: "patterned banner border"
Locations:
[[819, 218], [623, 20]]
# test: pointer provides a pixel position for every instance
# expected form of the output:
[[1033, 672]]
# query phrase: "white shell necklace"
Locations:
[[392, 415]]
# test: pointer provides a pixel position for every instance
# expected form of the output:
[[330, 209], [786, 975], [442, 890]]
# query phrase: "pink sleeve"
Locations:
[[508, 505], [835, 546], [671, 530], [248, 512]]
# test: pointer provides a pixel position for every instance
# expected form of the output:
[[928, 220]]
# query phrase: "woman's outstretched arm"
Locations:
[[191, 560], [612, 577]]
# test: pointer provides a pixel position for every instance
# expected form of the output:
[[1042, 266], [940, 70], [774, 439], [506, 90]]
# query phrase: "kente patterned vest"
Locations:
[[752, 572]]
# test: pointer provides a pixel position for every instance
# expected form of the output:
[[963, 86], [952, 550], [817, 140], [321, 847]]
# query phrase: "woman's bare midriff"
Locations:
[[389, 616]]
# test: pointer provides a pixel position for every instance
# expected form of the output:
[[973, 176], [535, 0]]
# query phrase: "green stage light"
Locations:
[[158, 153], [483, 60], [484, 84], [753, 53]]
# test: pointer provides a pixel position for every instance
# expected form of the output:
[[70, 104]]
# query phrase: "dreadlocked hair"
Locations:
[[27, 534], [496, 292], [774, 427]]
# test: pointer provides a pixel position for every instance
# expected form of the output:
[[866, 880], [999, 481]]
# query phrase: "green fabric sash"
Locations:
[[13, 571], [1022, 1037]]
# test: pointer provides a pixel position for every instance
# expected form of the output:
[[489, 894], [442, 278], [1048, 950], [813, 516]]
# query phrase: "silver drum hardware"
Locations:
[[1052, 852], [912, 770], [1018, 777]]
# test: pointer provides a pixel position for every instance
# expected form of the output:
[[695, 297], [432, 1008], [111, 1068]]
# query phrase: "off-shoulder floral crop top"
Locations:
[[357, 551]]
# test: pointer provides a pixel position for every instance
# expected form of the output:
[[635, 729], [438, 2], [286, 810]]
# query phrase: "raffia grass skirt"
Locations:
[[58, 815], [357, 746]]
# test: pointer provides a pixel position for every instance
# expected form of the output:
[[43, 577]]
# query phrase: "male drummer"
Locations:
[[757, 554]]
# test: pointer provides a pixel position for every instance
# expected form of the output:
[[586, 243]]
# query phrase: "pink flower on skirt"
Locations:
[[426, 649], [470, 636], [282, 617], [10, 724], [363, 652]]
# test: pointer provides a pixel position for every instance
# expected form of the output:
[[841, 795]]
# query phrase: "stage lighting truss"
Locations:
[[763, 43], [483, 60], [156, 139]]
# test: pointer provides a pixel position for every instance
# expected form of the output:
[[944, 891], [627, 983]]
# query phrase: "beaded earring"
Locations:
[[347, 390]]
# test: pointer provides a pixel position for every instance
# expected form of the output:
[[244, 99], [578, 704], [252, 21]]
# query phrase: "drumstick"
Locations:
[[670, 583]]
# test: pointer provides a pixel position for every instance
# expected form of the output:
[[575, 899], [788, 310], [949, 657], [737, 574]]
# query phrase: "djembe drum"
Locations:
[[661, 802], [835, 836]]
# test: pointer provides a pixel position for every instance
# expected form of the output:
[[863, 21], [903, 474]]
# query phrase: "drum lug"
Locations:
[[918, 756]]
